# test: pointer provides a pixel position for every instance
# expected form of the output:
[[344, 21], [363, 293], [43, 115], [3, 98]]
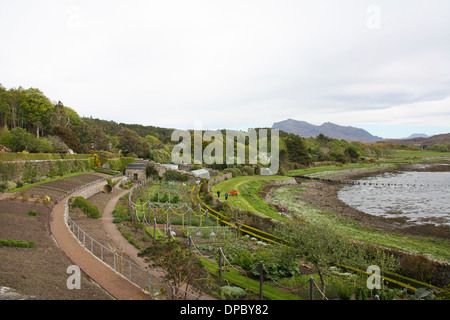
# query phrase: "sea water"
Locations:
[[417, 196]]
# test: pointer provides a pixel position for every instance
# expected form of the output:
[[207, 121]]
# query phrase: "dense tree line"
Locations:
[[30, 121], [113, 128]]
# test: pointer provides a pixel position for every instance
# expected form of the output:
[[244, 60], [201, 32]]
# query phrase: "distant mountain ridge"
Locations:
[[332, 130], [423, 141], [417, 135]]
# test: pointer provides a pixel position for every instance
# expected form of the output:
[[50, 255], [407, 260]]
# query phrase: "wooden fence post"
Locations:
[[154, 230], [220, 263], [261, 280]]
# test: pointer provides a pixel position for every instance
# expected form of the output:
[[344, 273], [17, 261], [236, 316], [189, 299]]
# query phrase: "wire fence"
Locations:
[[114, 258], [224, 263]]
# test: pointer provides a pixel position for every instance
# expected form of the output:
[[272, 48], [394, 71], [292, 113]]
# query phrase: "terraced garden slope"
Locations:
[[248, 197]]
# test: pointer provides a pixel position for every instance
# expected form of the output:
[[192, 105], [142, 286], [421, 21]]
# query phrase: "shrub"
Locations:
[[97, 163], [248, 170], [47, 200], [120, 214], [244, 259], [362, 293], [344, 290], [171, 175], [32, 213], [87, 207], [160, 156], [8, 185], [120, 164], [277, 264], [418, 267], [165, 198], [234, 171], [232, 292], [17, 243]]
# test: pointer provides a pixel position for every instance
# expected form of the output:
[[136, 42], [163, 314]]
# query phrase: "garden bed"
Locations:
[[42, 270]]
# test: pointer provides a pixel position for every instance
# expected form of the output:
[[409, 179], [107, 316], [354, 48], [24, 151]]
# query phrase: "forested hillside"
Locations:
[[32, 122]]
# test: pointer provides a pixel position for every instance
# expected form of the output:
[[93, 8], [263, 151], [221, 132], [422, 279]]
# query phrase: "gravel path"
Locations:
[[114, 283]]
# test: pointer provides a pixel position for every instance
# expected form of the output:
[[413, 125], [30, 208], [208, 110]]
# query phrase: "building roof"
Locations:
[[136, 166], [201, 173]]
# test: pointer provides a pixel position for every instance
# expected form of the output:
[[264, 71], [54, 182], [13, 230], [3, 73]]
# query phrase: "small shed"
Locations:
[[136, 171], [202, 173]]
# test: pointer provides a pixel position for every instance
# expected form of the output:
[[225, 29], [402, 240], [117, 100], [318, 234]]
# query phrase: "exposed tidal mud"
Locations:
[[323, 195]]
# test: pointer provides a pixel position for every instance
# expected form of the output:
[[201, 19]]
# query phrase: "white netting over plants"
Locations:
[[211, 234]]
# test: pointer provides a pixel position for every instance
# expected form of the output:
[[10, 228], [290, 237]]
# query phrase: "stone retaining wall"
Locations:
[[93, 188]]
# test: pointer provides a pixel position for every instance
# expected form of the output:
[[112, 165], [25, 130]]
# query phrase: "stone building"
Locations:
[[136, 172]]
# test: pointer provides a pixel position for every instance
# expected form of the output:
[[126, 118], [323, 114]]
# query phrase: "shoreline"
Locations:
[[323, 195]]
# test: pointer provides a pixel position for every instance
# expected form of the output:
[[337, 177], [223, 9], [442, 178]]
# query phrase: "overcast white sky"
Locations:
[[380, 65]]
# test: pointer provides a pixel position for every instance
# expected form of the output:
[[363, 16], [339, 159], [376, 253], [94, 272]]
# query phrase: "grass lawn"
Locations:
[[398, 158], [329, 168], [420, 153], [248, 197]]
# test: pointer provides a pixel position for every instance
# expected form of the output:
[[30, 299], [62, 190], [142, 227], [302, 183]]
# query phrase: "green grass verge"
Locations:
[[431, 247], [159, 233], [248, 197], [48, 180], [420, 153], [234, 277], [330, 168], [17, 243]]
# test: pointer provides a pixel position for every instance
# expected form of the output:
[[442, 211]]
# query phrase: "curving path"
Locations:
[[107, 219], [114, 283]]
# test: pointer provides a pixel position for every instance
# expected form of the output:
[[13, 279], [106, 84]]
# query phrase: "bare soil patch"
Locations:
[[40, 271], [60, 188]]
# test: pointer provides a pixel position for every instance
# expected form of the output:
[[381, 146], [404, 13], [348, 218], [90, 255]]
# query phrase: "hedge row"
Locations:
[[242, 171], [19, 156], [34, 171], [28, 171]]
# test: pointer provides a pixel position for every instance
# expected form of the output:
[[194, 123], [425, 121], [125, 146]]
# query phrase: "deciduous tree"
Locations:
[[131, 142], [181, 267]]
